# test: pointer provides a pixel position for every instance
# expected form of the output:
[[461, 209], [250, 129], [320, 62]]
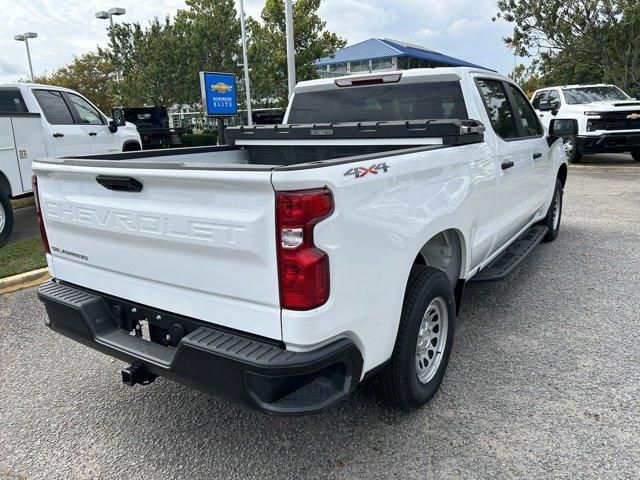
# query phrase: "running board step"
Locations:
[[512, 256]]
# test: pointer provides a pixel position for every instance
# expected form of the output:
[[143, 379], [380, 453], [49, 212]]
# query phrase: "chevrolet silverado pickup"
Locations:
[[42, 120], [608, 119], [285, 268]]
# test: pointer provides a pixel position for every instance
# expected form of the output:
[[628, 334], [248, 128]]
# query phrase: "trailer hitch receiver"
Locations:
[[136, 373]]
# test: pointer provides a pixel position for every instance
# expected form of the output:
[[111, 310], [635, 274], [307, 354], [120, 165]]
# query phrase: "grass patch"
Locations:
[[23, 202], [21, 257]]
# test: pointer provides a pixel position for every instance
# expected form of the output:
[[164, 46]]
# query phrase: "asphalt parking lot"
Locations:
[[544, 382]]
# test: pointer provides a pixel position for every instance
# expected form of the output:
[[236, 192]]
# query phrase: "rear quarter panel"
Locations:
[[380, 223]]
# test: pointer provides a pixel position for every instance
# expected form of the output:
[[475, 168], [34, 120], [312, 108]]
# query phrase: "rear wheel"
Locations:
[[636, 155], [571, 150], [424, 341], [6, 218], [554, 214]]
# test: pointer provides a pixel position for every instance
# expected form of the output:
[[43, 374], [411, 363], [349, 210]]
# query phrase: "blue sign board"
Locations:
[[219, 94]]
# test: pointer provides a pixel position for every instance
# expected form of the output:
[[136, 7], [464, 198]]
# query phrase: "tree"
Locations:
[[578, 40], [527, 78], [160, 63], [267, 49], [151, 63], [209, 32], [91, 75]]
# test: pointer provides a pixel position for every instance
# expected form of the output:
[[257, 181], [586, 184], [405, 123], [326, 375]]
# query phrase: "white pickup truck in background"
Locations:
[[282, 270], [39, 121], [608, 119]]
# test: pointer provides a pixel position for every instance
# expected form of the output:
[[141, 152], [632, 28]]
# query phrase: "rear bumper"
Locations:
[[610, 142], [253, 371]]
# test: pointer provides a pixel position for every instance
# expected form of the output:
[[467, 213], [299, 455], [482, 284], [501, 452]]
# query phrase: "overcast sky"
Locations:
[[67, 28]]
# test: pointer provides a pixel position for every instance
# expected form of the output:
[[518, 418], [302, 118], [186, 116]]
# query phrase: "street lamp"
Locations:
[[102, 15], [25, 38]]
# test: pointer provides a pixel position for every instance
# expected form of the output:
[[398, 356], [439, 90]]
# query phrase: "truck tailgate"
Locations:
[[199, 243]]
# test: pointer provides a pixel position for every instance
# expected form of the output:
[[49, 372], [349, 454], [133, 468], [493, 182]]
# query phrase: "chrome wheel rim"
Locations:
[[567, 144], [432, 339], [556, 210], [3, 218]]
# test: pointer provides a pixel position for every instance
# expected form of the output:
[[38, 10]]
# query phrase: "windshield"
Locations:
[[575, 96], [409, 101]]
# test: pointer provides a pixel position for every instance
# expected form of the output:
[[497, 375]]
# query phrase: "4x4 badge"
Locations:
[[358, 172]]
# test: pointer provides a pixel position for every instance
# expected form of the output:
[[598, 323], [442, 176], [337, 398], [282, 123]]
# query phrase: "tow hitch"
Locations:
[[136, 373]]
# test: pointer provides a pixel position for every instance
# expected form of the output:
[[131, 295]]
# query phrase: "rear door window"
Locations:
[[497, 106], [11, 101], [54, 107], [387, 102]]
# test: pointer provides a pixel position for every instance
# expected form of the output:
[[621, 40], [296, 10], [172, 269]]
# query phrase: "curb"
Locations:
[[23, 280]]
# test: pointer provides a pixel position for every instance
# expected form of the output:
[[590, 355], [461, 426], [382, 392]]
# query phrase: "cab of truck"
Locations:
[[39, 121]]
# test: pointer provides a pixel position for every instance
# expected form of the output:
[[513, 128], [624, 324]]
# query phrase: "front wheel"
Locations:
[[554, 214], [424, 341], [571, 150], [636, 155], [6, 219]]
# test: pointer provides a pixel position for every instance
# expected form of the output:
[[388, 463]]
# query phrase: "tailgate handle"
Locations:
[[119, 184]]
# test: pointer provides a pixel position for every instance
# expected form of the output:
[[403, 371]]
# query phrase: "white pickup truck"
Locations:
[[608, 119], [284, 269], [39, 121]]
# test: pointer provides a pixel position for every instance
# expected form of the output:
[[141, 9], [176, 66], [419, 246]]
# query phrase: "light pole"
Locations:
[[102, 15], [247, 86], [25, 38], [291, 59]]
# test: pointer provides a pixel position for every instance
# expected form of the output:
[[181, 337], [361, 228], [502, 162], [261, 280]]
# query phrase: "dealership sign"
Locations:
[[219, 94]]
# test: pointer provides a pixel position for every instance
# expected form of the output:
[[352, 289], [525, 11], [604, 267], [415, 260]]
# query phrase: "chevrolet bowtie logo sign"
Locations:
[[633, 116], [221, 87]]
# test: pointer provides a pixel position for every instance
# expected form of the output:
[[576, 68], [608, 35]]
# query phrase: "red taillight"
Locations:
[[303, 268], [43, 232]]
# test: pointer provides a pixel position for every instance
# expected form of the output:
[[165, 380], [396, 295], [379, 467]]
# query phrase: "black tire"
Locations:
[[397, 384], [6, 218], [636, 155], [571, 151], [550, 220], [131, 147]]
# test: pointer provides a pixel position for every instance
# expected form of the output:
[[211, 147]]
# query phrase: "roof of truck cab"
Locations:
[[414, 73], [24, 85]]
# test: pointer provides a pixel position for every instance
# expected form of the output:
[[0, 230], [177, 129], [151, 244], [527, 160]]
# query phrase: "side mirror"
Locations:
[[547, 106], [561, 127], [118, 117], [113, 128], [638, 96]]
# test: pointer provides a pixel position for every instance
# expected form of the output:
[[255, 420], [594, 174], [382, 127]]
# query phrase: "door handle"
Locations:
[[93, 134], [119, 184], [57, 135], [537, 155], [507, 164]]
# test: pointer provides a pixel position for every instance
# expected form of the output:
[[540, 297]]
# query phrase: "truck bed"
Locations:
[[265, 147]]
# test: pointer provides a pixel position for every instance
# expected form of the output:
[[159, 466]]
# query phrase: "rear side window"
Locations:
[[527, 117], [87, 112], [497, 106], [399, 101], [54, 107], [11, 101]]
